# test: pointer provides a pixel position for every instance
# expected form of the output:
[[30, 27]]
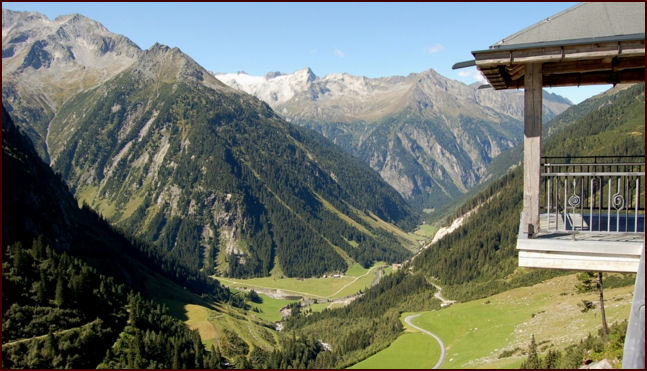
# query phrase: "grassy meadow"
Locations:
[[410, 350], [356, 278], [476, 333], [270, 308], [211, 319]]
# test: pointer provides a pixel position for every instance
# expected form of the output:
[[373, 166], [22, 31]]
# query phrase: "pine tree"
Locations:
[[50, 347], [532, 362], [41, 289], [59, 298], [552, 359]]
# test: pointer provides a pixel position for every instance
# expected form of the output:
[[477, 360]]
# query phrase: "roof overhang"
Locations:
[[607, 60]]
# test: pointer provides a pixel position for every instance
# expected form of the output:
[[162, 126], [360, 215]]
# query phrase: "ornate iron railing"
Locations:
[[595, 193]]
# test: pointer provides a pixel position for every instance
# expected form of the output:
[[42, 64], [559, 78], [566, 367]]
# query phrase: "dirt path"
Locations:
[[16, 342], [440, 342]]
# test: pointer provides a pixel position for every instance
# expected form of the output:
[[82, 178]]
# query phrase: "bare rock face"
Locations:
[[45, 62], [429, 137]]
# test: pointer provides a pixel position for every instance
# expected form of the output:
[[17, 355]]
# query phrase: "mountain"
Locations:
[[429, 137], [37, 203], [166, 152]]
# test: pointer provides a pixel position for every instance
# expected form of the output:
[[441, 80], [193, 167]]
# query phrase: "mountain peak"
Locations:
[[72, 18], [305, 74], [10, 17], [164, 63], [161, 48]]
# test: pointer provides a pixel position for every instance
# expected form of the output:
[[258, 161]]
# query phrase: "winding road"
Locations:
[[437, 295], [408, 319]]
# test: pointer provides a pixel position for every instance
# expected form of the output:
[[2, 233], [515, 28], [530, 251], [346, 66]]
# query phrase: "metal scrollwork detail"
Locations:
[[618, 201], [574, 200]]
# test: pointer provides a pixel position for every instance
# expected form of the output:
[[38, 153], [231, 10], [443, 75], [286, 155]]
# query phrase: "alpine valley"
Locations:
[[158, 215]]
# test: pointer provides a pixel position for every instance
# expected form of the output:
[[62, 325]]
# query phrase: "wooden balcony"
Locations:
[[592, 216]]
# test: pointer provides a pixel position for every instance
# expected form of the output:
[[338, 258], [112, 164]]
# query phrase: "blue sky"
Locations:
[[368, 39]]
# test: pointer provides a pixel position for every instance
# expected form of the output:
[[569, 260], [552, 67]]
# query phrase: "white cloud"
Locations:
[[473, 74], [435, 49], [339, 53]]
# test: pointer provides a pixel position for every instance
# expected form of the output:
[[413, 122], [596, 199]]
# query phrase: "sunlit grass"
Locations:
[[477, 332]]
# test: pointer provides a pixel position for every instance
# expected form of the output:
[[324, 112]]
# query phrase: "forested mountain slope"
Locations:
[[218, 177], [70, 283]]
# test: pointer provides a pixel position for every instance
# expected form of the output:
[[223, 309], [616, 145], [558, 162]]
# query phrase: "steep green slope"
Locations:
[[68, 280], [216, 178], [614, 126]]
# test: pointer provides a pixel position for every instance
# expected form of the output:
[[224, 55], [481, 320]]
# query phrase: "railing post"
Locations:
[[532, 146], [609, 207], [636, 207], [634, 349]]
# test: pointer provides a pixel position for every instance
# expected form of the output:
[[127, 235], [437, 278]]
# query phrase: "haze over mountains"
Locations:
[[168, 153], [428, 136]]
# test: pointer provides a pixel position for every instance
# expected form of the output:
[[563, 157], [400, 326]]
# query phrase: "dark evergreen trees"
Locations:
[[66, 276]]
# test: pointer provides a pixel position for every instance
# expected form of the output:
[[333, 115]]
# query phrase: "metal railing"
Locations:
[[594, 193]]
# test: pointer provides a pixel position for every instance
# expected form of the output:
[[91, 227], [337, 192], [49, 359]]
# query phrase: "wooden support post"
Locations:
[[532, 147]]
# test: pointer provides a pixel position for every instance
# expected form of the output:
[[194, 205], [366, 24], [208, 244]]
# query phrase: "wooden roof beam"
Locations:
[[491, 58], [517, 71], [577, 79], [626, 76], [615, 64]]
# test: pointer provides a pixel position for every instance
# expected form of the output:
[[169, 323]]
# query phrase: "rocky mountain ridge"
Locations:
[[347, 98]]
